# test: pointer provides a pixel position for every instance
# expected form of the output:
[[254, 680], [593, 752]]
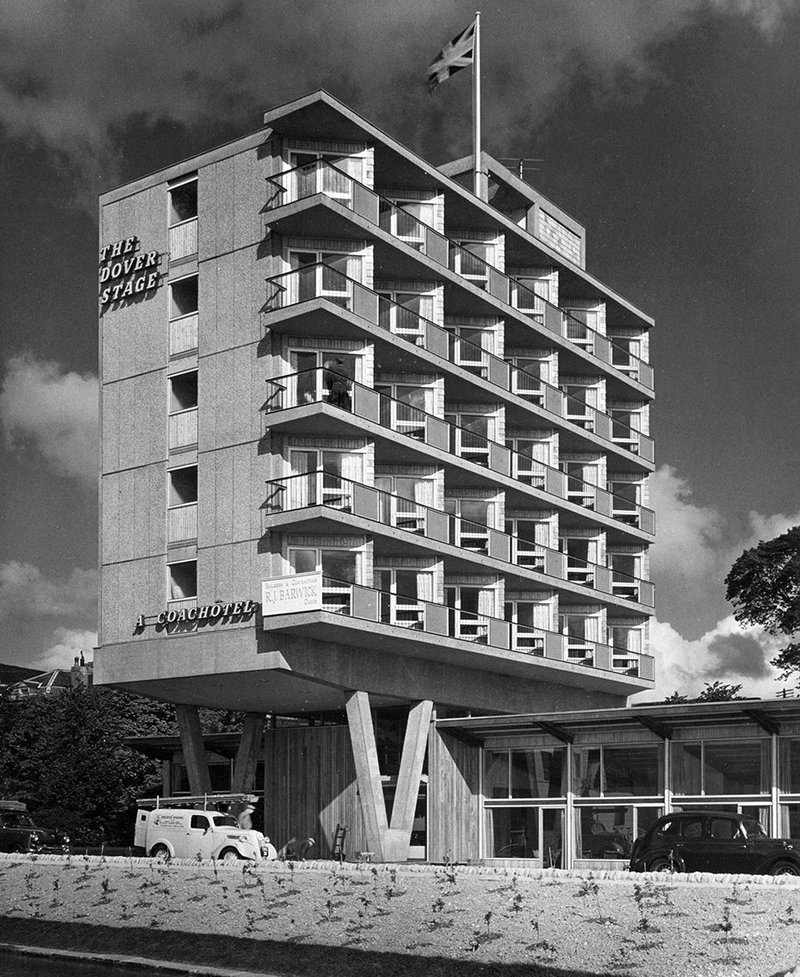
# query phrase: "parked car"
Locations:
[[187, 833], [713, 841], [19, 832]]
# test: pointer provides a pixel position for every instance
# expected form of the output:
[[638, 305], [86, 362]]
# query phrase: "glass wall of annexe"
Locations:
[[574, 790]]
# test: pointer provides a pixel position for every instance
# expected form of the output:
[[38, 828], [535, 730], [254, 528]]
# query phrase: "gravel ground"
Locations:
[[594, 923]]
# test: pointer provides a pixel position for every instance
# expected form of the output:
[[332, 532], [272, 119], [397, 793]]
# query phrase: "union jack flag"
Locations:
[[458, 54]]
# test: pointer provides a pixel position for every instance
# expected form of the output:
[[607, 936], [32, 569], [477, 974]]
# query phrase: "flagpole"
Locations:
[[476, 105]]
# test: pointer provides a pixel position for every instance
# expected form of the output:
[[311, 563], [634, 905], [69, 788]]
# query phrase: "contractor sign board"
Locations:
[[291, 595]]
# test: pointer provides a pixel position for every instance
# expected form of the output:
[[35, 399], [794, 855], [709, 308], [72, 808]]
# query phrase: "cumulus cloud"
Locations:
[[45, 409], [65, 647], [70, 73], [727, 653], [26, 592]]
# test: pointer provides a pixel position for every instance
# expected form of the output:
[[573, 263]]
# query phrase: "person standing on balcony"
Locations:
[[337, 384]]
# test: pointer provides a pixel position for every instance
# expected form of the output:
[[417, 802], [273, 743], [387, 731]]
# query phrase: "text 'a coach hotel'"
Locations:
[[375, 457]]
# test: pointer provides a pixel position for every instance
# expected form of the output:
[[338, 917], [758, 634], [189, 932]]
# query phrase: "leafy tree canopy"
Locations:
[[713, 692], [764, 588]]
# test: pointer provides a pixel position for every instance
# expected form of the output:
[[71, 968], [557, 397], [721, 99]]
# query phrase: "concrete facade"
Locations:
[[405, 419]]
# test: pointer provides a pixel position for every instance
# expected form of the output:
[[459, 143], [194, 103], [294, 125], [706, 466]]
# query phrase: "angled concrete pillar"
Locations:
[[244, 766], [408, 779], [368, 775], [194, 753]]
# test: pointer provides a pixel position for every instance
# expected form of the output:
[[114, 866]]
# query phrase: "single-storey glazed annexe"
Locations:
[[569, 789]]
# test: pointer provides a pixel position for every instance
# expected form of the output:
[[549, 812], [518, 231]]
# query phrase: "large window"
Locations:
[[618, 771], [789, 770], [721, 767], [609, 832], [537, 772]]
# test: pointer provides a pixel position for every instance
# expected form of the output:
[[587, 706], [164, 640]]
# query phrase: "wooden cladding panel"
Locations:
[[310, 786], [453, 799]]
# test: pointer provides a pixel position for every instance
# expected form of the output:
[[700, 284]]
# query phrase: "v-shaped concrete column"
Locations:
[[387, 842]]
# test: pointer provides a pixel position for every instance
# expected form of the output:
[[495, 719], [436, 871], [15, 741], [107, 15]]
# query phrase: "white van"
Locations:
[[185, 833]]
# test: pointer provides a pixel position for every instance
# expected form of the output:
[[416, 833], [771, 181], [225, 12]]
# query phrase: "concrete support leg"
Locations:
[[368, 775], [244, 766], [408, 780], [194, 753]]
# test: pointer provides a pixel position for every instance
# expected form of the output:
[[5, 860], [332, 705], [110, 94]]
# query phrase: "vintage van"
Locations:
[[189, 833]]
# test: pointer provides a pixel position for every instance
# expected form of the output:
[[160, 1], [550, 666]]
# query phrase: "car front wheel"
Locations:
[[664, 865], [785, 868]]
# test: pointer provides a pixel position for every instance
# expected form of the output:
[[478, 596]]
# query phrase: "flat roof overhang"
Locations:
[[404, 642], [662, 719]]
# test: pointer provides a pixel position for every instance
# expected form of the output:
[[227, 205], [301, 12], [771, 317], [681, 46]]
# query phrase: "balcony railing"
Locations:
[[183, 429], [297, 492], [324, 385], [182, 523], [183, 334], [323, 177], [322, 281], [415, 614], [183, 239]]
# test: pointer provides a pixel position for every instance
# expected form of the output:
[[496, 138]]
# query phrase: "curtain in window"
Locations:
[[543, 615], [425, 585], [542, 533], [487, 601], [353, 466], [424, 492], [592, 628], [766, 766]]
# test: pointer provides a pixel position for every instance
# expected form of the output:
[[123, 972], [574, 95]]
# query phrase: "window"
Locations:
[[537, 772], [182, 202], [472, 435], [625, 500], [323, 274], [471, 260], [531, 538], [789, 767], [404, 593], [183, 297], [404, 313], [529, 618], [528, 375], [721, 767], [623, 353], [339, 567], [406, 500], [183, 485], [330, 173], [582, 632], [182, 391], [404, 408], [182, 580], [407, 220], [323, 477], [473, 517], [625, 571], [469, 347], [634, 770], [581, 559], [530, 294], [182, 410], [469, 607]]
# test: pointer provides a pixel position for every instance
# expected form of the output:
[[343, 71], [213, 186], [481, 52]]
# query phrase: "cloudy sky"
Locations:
[[668, 127]]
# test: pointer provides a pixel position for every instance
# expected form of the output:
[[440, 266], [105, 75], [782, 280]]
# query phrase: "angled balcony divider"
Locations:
[[415, 614], [322, 177], [323, 385], [312, 281], [298, 492]]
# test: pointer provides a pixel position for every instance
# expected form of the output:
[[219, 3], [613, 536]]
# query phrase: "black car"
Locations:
[[19, 833], [713, 841]]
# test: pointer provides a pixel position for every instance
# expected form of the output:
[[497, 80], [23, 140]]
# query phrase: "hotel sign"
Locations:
[[291, 595], [126, 272], [234, 611]]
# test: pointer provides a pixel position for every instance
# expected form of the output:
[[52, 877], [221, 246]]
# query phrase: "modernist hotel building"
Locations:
[[375, 468]]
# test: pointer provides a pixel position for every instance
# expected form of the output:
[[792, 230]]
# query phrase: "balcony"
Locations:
[[183, 239], [183, 429], [325, 179], [183, 334], [320, 281], [422, 617], [182, 523], [410, 424], [477, 541]]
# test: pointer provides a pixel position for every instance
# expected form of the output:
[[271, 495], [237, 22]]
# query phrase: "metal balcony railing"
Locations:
[[324, 385], [322, 281], [323, 177], [416, 614], [297, 492]]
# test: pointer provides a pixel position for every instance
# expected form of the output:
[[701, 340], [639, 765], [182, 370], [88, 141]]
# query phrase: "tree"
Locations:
[[719, 692], [764, 588]]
